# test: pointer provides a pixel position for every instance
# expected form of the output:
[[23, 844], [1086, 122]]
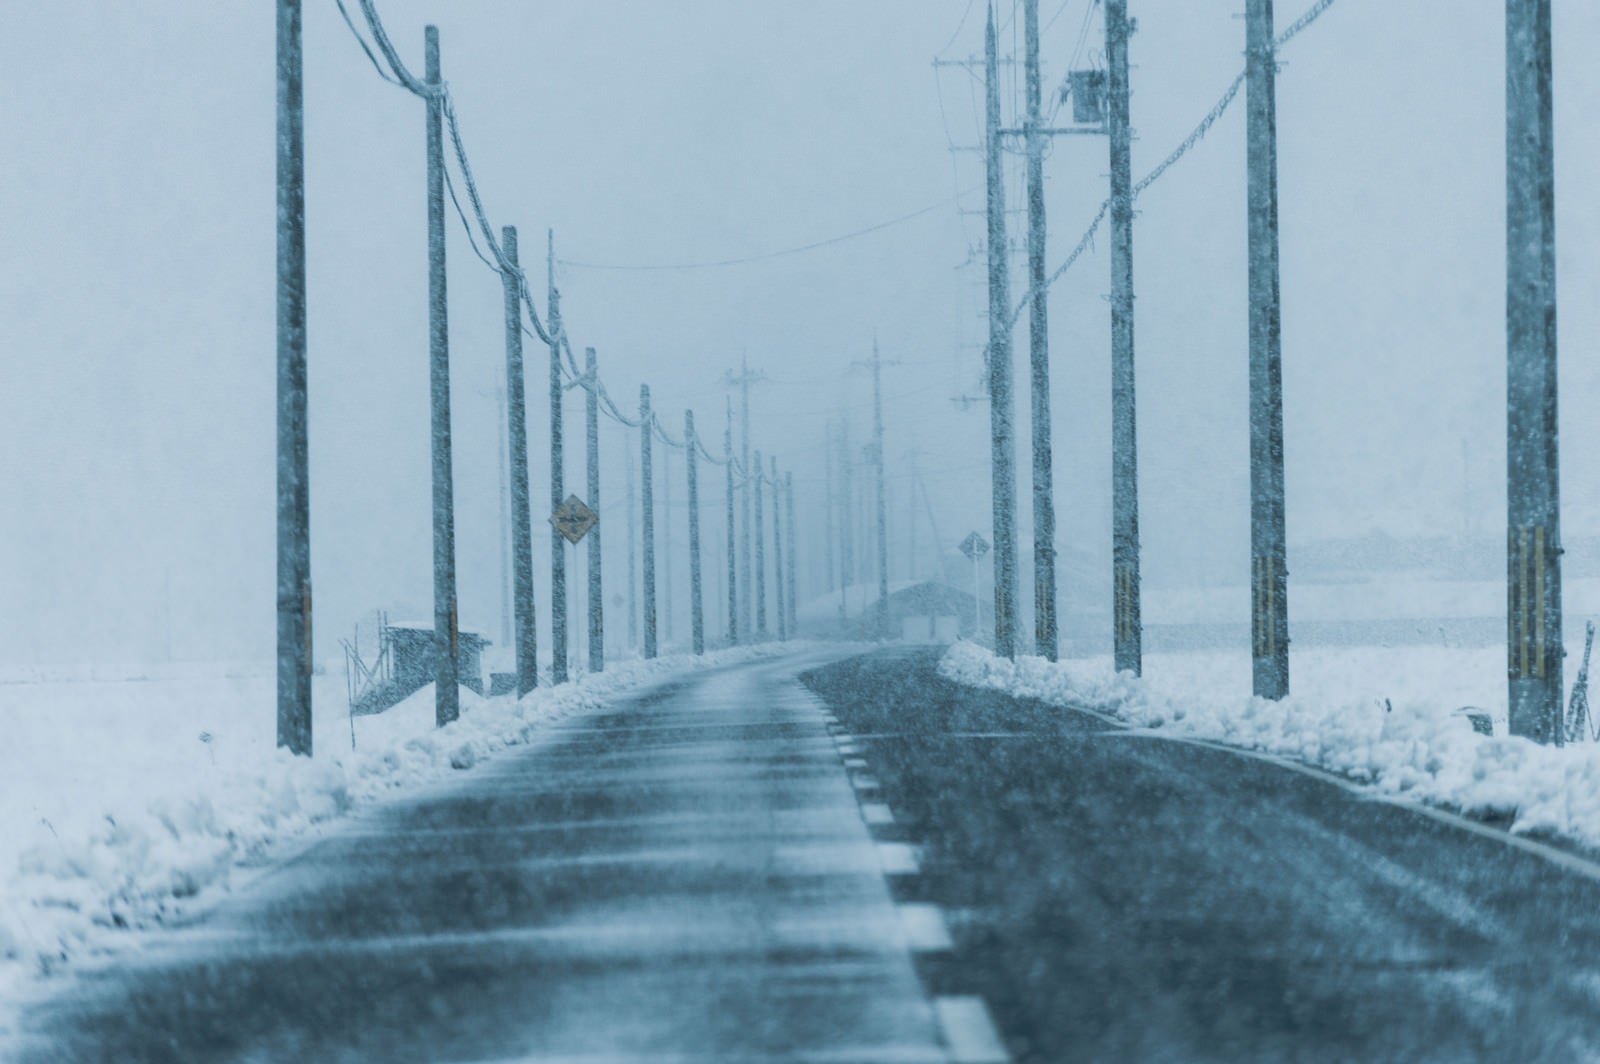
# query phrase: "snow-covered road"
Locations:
[[855, 858], [683, 875]]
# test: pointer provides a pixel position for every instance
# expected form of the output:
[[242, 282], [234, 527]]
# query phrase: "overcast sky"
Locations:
[[137, 281]]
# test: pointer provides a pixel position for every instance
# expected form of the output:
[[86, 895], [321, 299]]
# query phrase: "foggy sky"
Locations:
[[137, 280]]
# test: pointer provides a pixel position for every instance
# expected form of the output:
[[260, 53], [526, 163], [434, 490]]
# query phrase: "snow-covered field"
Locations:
[[130, 793], [1422, 748]]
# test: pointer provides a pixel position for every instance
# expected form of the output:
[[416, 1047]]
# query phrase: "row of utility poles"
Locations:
[[1534, 634], [1112, 117], [571, 519]]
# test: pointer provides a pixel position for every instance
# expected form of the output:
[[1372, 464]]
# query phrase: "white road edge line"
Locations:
[[969, 1031]]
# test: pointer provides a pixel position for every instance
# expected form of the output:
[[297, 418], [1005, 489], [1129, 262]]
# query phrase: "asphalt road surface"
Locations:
[[1114, 896], [893, 868]]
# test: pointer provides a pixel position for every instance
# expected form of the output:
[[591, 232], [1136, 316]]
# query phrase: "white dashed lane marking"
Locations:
[[964, 1021], [876, 813], [925, 928], [898, 859], [969, 1031]]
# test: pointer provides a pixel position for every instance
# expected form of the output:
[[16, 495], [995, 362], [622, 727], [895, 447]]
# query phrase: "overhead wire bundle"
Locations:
[[385, 59]]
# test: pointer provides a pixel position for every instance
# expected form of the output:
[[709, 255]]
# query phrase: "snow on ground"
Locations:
[[128, 796], [1421, 749]]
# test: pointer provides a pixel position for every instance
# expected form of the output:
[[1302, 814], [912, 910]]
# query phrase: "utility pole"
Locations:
[[883, 513], [1127, 612], [782, 612], [500, 407], [1001, 433], [447, 698], [558, 550], [633, 583], [912, 568], [831, 502], [1534, 634], [697, 618], [1044, 505], [760, 564], [847, 560], [597, 622], [648, 528], [294, 497], [725, 638], [666, 542], [733, 585], [1269, 563], [743, 382], [794, 609], [517, 446]]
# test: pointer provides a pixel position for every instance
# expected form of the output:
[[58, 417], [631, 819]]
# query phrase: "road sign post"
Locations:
[[975, 547]]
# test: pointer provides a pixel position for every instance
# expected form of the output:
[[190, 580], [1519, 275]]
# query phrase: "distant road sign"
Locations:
[[573, 519], [974, 546]]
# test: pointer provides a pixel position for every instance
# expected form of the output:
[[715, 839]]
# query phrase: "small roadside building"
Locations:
[[920, 611], [405, 664], [412, 647]]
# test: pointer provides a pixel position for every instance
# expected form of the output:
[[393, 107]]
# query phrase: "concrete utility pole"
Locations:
[[1127, 613], [597, 622], [794, 609], [1533, 513], [558, 490], [697, 617], [447, 698], [1001, 433], [733, 584], [831, 502], [782, 611], [633, 583], [743, 382], [913, 569], [500, 406], [1044, 505], [883, 518], [517, 447], [648, 528], [721, 591], [294, 479], [760, 552], [666, 543], [1269, 562], [847, 560], [760, 565]]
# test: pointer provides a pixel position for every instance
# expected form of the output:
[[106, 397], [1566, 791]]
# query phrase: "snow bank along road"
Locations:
[[1117, 896], [684, 874], [895, 868]]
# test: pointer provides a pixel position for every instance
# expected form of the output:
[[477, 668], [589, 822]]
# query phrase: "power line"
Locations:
[[399, 75], [1188, 143], [770, 254], [1059, 12], [959, 27]]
